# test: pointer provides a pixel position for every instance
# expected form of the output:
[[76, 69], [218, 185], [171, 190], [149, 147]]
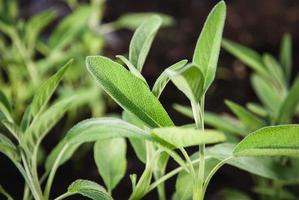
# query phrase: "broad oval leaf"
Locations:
[[46, 90], [184, 137], [142, 41], [128, 91], [280, 140], [164, 78], [110, 158], [208, 45], [88, 189]]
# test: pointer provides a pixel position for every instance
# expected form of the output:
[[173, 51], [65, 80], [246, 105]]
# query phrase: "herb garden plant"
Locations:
[[149, 129]]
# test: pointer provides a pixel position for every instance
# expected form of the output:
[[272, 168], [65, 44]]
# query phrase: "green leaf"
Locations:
[[271, 192], [137, 144], [270, 141], [110, 158], [66, 31], [257, 109], [189, 80], [267, 167], [91, 130], [184, 137], [249, 119], [5, 107], [267, 93], [13, 128], [208, 45], [142, 41], [36, 24], [214, 120], [289, 104], [88, 189], [43, 124], [285, 55], [164, 78], [131, 67], [5, 193], [8, 148], [232, 194], [128, 91], [133, 20], [247, 56], [46, 90], [275, 70]]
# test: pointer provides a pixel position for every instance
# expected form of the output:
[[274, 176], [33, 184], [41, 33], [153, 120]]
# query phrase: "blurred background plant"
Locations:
[[29, 56]]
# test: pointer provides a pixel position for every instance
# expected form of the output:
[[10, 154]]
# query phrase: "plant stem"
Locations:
[[198, 113], [53, 172], [63, 196], [213, 171], [169, 175]]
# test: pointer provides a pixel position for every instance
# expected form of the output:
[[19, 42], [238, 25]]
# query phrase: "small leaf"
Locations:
[[280, 140], [249, 119], [188, 80], [289, 104], [142, 41], [275, 70], [128, 91], [65, 32], [13, 128], [131, 67], [246, 55], [5, 107], [110, 158], [133, 20], [46, 90], [257, 109], [208, 45], [8, 148], [184, 137], [285, 55], [42, 125], [267, 93], [164, 78], [88, 189]]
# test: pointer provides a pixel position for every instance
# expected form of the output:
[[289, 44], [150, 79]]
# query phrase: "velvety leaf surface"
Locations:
[[164, 78], [142, 41], [128, 91], [89, 189], [208, 45], [184, 137], [271, 141]]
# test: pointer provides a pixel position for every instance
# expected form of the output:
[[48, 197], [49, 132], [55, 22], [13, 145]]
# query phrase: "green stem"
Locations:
[[53, 172], [169, 175], [63, 196], [198, 113], [213, 171]]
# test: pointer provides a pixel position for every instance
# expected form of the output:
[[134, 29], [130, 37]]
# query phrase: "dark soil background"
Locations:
[[257, 24]]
